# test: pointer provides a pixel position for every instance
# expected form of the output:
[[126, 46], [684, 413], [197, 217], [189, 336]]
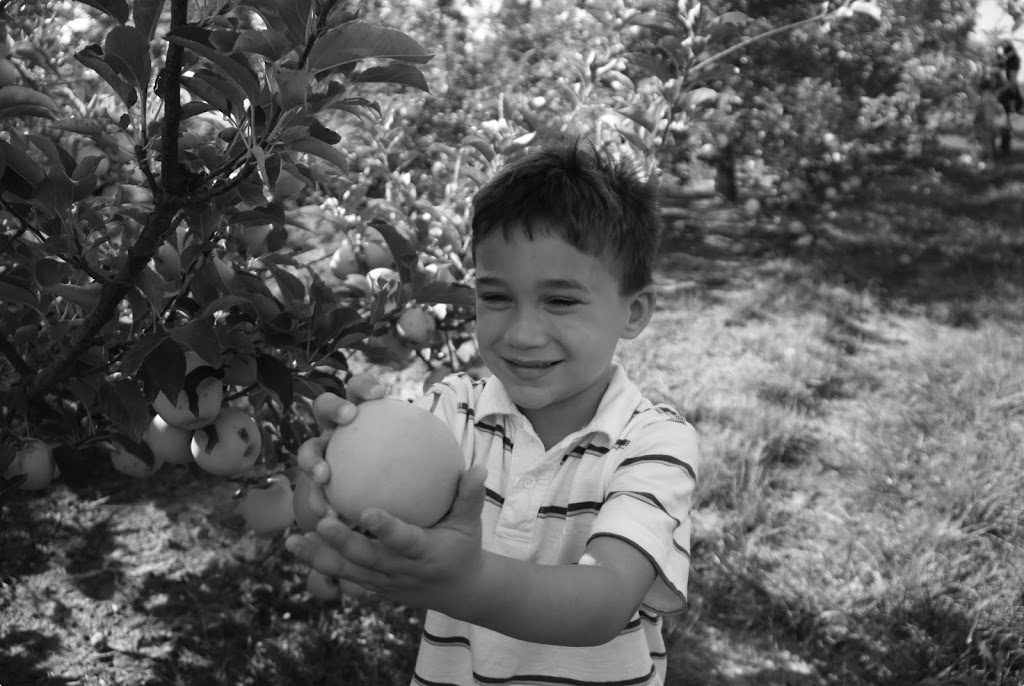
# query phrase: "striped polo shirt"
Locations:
[[630, 473]]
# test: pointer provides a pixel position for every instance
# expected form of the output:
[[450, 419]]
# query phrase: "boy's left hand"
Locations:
[[434, 567]]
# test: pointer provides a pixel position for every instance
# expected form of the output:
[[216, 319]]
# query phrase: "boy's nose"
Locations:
[[526, 330]]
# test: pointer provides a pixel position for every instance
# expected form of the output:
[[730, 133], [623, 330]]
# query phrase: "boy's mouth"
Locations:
[[528, 364]]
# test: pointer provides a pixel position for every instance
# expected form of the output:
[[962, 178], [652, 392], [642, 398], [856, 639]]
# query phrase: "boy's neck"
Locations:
[[555, 422]]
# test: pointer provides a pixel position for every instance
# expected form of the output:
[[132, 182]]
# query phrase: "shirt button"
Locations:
[[529, 482]]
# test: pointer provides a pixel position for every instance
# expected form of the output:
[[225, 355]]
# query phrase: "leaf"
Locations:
[[273, 375], [356, 40], [126, 49], [133, 358], [118, 9], [152, 286], [292, 287], [650, 65], [401, 248], [316, 147], [198, 40], [92, 56], [292, 86], [269, 44], [700, 97], [12, 293], [446, 293], [398, 72], [126, 406], [21, 175], [21, 101], [164, 369], [50, 271], [356, 106], [146, 16], [199, 335], [484, 147], [208, 94]]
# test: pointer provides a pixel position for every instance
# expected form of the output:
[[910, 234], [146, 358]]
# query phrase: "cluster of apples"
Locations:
[[365, 266]]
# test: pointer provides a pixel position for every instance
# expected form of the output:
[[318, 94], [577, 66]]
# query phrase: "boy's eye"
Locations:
[[563, 302], [493, 298]]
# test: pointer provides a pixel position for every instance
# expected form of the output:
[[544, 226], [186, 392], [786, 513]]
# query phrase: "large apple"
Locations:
[[228, 446], [375, 250], [167, 262], [416, 326], [34, 459], [168, 443], [268, 509], [210, 392], [131, 464], [8, 72], [395, 456]]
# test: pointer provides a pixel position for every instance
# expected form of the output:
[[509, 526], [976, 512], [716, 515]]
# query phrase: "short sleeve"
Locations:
[[648, 497]]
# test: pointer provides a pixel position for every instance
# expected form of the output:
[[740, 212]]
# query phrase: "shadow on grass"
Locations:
[[938, 234], [254, 624], [22, 652]]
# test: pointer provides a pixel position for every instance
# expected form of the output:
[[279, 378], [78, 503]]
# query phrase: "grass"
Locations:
[[858, 520]]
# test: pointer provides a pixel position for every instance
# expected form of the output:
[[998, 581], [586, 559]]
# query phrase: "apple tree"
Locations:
[[193, 241]]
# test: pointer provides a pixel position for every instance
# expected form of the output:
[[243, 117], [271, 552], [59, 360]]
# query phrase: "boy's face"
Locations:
[[548, 320]]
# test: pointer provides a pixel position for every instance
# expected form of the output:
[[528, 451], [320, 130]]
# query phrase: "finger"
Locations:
[[352, 589], [362, 387], [311, 458], [469, 498], [330, 410], [352, 546], [402, 538]]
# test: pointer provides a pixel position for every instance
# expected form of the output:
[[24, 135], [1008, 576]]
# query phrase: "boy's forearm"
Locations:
[[575, 605]]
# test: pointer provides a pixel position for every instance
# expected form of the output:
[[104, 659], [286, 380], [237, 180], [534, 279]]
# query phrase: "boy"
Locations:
[[991, 120], [570, 532]]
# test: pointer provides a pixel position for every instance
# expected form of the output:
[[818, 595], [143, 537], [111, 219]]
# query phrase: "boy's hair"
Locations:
[[600, 206]]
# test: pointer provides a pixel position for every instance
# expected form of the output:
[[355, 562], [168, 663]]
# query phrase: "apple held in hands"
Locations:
[[305, 518], [228, 446], [34, 459], [394, 456], [268, 509]]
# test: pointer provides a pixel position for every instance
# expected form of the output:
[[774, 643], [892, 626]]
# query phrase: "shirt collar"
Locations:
[[619, 402]]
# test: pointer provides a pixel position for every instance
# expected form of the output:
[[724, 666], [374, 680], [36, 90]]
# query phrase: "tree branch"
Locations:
[[171, 173], [158, 227], [11, 353]]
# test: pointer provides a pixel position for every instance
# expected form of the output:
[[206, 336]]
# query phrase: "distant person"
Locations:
[[570, 534], [991, 121], [1009, 64]]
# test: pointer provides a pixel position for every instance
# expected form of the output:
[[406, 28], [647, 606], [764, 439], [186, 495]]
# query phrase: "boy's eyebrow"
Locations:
[[565, 284]]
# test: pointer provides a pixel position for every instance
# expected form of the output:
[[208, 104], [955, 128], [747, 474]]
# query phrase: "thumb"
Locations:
[[469, 498]]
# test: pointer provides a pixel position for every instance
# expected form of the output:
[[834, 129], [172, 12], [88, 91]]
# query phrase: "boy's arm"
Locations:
[[444, 568]]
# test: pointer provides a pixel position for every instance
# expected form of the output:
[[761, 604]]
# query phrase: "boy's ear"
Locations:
[[641, 307]]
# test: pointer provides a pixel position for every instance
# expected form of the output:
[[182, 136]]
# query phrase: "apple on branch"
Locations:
[[230, 445]]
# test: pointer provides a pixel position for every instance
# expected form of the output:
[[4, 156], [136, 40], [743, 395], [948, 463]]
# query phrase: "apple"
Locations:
[[268, 509], [92, 150], [377, 255], [34, 459], [394, 456], [344, 260], [168, 443], [230, 445], [357, 285], [210, 392], [417, 327], [167, 262], [304, 516], [131, 464]]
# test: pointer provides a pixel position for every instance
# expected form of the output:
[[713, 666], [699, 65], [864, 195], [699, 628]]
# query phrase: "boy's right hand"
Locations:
[[332, 411]]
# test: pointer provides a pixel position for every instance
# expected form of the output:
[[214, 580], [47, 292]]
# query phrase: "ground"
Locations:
[[108, 580]]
